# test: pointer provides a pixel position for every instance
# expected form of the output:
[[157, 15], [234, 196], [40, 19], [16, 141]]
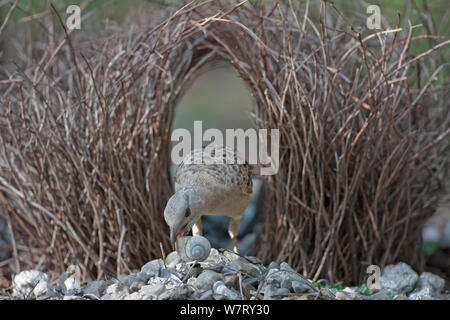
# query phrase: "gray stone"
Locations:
[[194, 272], [351, 293], [127, 280], [274, 276], [178, 293], [207, 295], [399, 278], [383, 294], [300, 287], [218, 296], [61, 280], [349, 290], [220, 288], [231, 280], [72, 297], [343, 296], [401, 296], [250, 280], [151, 292], [174, 274], [136, 286], [220, 266], [273, 265], [251, 269], [116, 291], [186, 270], [146, 292], [214, 257], [283, 278], [285, 267], [268, 291], [70, 281], [43, 288], [272, 293], [253, 259], [72, 286], [74, 271], [142, 276], [96, 288], [248, 289], [229, 255], [197, 281], [172, 259], [165, 273], [51, 295], [206, 279], [134, 296], [30, 283], [422, 294], [153, 268], [430, 281], [281, 291], [169, 283], [327, 294], [287, 284]]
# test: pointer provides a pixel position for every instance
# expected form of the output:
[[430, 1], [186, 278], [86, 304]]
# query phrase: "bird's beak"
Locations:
[[173, 237], [175, 234]]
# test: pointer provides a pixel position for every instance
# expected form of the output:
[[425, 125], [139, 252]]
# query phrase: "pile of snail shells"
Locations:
[[196, 248]]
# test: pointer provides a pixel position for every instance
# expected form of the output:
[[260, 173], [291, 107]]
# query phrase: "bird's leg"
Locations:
[[233, 232], [197, 228]]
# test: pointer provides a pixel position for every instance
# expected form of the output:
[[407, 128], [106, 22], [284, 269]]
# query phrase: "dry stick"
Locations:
[[22, 223], [72, 50], [162, 253], [240, 285], [420, 56], [14, 245], [8, 16], [119, 252]]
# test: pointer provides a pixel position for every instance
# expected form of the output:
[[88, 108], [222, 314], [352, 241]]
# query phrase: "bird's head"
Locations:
[[182, 210]]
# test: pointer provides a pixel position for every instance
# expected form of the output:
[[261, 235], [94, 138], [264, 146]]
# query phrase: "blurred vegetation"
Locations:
[[219, 98], [433, 14]]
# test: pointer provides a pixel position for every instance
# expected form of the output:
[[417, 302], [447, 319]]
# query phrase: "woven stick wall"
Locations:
[[85, 139]]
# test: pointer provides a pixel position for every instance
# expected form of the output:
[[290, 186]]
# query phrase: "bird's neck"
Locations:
[[212, 197], [204, 193], [194, 195]]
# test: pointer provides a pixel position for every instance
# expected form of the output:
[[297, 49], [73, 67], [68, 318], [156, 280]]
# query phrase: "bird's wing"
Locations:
[[232, 175], [247, 182]]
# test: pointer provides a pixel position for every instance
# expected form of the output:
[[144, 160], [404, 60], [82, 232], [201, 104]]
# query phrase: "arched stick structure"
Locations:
[[85, 137]]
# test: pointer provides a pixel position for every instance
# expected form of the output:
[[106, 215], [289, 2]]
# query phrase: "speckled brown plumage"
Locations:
[[231, 174], [222, 185]]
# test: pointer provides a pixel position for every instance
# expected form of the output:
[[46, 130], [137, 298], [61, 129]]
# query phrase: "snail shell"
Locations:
[[196, 248]]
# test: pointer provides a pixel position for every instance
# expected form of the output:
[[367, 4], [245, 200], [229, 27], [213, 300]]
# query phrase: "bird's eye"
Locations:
[[187, 213]]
